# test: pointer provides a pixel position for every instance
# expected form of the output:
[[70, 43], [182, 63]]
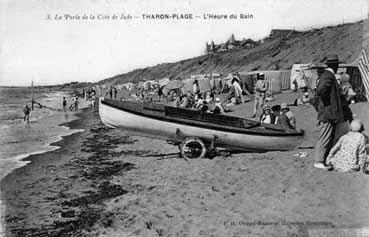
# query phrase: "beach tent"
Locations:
[[188, 85], [304, 74], [175, 84], [248, 82], [362, 86], [204, 85], [163, 82], [278, 80], [215, 84]]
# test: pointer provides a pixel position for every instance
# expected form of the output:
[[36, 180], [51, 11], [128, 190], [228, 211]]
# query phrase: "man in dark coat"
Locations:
[[327, 102]]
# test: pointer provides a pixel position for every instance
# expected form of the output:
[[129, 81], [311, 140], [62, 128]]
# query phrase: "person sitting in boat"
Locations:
[[177, 100], [190, 100], [209, 97], [276, 110], [186, 101], [204, 106], [291, 117], [267, 116], [218, 108], [199, 102], [349, 154], [281, 119]]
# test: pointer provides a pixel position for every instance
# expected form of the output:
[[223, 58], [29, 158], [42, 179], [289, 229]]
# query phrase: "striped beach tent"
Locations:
[[362, 63]]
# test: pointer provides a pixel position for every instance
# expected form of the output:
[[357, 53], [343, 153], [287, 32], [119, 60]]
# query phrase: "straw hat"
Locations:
[[356, 125], [217, 99]]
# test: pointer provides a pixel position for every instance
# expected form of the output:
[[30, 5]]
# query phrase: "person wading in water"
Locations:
[[26, 112]]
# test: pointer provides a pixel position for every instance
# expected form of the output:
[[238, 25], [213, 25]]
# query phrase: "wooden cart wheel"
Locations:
[[193, 148]]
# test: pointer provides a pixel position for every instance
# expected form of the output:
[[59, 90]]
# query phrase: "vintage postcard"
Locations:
[[184, 118]]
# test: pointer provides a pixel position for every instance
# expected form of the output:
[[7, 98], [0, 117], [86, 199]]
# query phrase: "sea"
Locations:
[[19, 139]]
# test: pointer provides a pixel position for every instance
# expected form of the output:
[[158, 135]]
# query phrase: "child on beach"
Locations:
[[349, 154]]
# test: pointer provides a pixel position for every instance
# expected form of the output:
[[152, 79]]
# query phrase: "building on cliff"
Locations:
[[230, 44]]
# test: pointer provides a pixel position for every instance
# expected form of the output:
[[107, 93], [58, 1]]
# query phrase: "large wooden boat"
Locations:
[[178, 124]]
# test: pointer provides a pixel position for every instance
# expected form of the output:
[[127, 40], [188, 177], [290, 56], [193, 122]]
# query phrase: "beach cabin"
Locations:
[[278, 80]]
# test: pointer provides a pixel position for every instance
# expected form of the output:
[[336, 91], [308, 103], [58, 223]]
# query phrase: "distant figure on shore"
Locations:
[[26, 112], [327, 102], [93, 101], [64, 104], [261, 88], [111, 92], [71, 107], [349, 152], [76, 102], [160, 92], [115, 90]]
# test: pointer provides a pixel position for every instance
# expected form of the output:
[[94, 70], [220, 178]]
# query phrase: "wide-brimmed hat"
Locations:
[[284, 106], [332, 58]]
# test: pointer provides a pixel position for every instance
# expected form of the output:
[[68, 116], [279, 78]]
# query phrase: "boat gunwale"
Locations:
[[202, 124]]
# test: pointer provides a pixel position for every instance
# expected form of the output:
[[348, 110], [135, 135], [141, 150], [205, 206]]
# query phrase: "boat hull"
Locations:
[[142, 125]]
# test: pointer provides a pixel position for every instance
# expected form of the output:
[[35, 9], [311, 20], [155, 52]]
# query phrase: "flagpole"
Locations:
[[32, 94]]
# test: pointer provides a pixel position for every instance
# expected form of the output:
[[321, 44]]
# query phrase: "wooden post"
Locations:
[[32, 95]]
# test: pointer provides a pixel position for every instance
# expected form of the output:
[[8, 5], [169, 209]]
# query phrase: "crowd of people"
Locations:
[[280, 115], [344, 151]]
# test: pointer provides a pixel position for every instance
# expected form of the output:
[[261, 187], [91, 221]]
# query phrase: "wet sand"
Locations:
[[102, 182]]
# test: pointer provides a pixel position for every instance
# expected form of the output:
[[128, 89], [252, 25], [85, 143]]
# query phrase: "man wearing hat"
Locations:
[[261, 88], [327, 102], [291, 117]]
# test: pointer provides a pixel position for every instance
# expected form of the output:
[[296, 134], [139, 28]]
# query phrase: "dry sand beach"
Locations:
[[102, 182]]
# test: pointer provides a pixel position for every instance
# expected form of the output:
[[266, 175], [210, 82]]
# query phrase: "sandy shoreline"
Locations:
[[102, 182]]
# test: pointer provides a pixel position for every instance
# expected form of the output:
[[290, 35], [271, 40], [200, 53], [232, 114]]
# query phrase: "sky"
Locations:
[[41, 42]]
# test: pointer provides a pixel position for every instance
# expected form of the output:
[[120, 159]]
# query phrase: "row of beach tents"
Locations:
[[301, 75]]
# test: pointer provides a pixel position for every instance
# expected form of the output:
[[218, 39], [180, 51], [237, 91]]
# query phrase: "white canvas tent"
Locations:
[[304, 75]]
